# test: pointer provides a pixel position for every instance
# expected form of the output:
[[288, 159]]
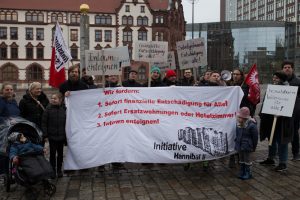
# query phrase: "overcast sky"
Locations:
[[204, 11]]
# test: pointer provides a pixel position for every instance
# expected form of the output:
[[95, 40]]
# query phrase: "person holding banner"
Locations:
[[245, 141], [73, 83], [288, 69], [204, 80], [155, 78], [170, 78], [283, 133], [113, 81], [131, 82], [188, 78]]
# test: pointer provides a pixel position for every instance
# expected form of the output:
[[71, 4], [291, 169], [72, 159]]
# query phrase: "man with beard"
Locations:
[[73, 83], [131, 82], [288, 69]]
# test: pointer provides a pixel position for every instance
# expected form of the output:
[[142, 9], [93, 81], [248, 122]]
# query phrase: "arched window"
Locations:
[[34, 72], [53, 17], [28, 17], [142, 73], [104, 20], [3, 51], [40, 17], [97, 19], [8, 72], [14, 16], [124, 20], [2, 16], [139, 21], [130, 20], [34, 17], [145, 21], [75, 18], [60, 18], [8, 16]]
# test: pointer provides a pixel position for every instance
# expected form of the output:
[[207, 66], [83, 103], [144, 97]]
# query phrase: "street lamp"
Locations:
[[193, 5]]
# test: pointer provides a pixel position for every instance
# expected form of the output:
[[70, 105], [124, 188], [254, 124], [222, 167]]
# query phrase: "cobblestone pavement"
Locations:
[[157, 182]]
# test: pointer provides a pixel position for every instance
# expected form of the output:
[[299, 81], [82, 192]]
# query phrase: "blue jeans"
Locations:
[[282, 149]]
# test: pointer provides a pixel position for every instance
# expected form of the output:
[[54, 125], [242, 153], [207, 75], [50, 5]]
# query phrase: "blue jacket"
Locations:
[[8, 108], [18, 148], [246, 138]]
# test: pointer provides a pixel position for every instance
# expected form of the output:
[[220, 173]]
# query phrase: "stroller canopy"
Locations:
[[18, 124]]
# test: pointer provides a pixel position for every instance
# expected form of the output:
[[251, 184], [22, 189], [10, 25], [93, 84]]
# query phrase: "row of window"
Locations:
[[14, 51], [141, 21], [34, 72], [9, 72], [127, 8], [28, 33], [8, 16]]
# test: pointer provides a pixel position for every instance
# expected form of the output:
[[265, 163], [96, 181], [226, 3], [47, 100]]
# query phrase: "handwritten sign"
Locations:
[[151, 51], [191, 53], [170, 64], [107, 61], [280, 100]]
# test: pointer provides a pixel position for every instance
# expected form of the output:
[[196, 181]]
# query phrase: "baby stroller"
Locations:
[[19, 173]]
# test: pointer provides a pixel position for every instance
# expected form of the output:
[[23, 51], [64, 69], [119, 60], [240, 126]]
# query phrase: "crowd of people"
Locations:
[[50, 116]]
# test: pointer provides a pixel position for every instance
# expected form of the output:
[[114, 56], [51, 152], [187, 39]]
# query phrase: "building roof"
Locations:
[[104, 6]]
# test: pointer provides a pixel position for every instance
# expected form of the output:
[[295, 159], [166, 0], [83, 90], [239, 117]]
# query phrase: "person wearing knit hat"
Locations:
[[170, 78], [245, 141], [155, 77], [283, 133], [131, 81], [280, 78]]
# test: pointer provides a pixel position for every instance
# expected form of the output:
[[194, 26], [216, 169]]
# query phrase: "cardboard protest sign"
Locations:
[[191, 53], [170, 64], [153, 51], [280, 100], [106, 61]]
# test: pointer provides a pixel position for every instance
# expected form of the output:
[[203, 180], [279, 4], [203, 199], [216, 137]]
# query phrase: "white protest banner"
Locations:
[[150, 125], [107, 61], [280, 100], [191, 53], [170, 64], [152, 51]]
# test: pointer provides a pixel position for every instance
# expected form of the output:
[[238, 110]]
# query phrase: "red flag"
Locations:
[[253, 83], [56, 77]]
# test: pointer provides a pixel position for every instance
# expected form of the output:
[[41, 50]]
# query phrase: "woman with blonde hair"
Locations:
[[8, 105], [33, 103]]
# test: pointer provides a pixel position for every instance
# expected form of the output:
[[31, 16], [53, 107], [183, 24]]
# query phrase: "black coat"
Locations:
[[187, 82], [131, 83], [54, 122], [155, 83], [72, 86], [294, 81], [31, 110]]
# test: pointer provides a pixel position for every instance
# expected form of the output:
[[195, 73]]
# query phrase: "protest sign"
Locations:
[[151, 51], [150, 125], [170, 64], [280, 100], [107, 61], [191, 53]]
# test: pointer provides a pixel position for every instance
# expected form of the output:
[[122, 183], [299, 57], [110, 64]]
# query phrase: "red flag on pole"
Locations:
[[60, 56], [253, 83], [56, 77]]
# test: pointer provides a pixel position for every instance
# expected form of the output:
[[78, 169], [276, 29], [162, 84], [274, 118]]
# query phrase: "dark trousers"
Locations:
[[56, 147], [295, 142]]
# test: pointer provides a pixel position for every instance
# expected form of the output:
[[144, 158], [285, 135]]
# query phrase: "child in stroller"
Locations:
[[29, 166]]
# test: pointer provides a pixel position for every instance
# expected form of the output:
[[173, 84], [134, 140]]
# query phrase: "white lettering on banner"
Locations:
[[191, 53], [280, 100], [156, 125]]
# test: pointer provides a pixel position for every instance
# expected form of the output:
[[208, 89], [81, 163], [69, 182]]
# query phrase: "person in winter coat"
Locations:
[[73, 83], [283, 131], [170, 78], [155, 78], [20, 145], [53, 126], [188, 79], [33, 104], [245, 141], [289, 70], [8, 105], [131, 82]]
